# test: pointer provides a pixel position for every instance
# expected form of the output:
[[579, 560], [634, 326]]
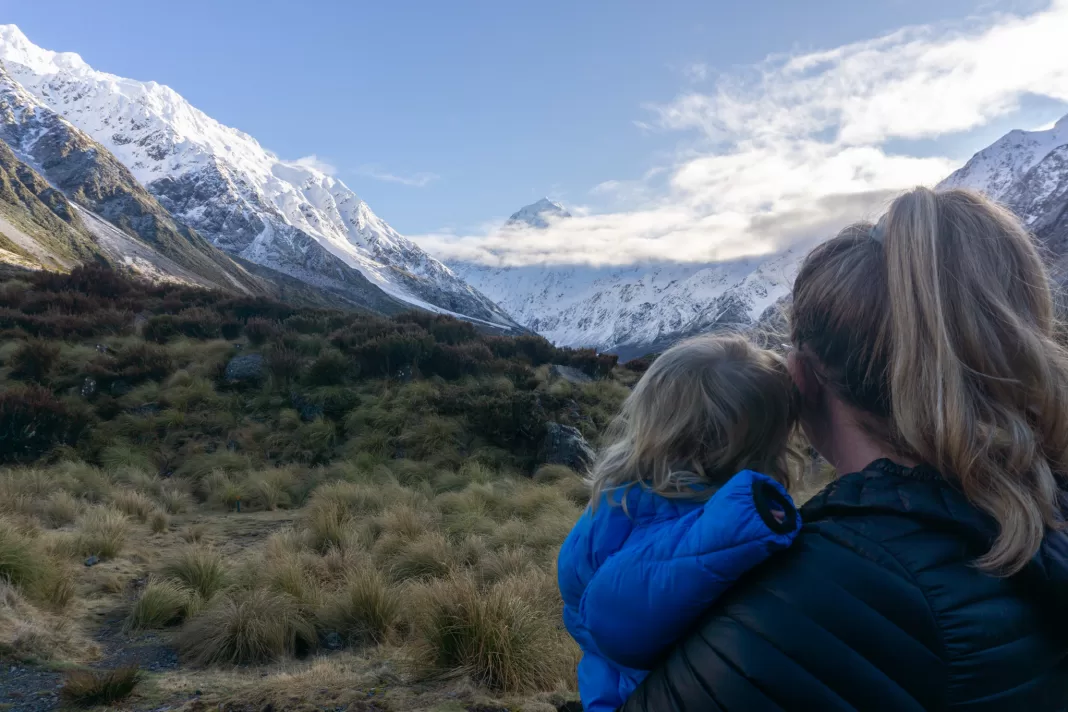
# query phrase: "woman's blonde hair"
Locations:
[[938, 324], [705, 409]]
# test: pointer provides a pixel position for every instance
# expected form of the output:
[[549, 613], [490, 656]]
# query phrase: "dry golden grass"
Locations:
[[199, 568], [247, 627], [493, 636], [161, 604], [102, 532], [366, 609], [89, 688]]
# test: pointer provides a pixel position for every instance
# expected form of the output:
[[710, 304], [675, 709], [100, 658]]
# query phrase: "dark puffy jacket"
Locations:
[[878, 606]]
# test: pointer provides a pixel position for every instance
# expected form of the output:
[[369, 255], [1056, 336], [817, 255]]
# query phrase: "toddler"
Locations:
[[687, 496]]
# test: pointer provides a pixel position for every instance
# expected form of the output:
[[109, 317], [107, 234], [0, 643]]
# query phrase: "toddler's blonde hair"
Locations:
[[706, 409]]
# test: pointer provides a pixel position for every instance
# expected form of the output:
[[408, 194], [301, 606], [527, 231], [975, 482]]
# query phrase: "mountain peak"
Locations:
[[15, 46], [537, 214]]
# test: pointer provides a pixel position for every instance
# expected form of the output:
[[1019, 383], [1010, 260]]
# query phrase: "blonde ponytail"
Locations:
[[954, 359]]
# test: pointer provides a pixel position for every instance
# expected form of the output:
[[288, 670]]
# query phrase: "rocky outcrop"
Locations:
[[250, 369], [564, 445]]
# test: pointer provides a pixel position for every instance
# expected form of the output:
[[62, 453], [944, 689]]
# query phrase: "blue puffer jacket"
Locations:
[[634, 580]]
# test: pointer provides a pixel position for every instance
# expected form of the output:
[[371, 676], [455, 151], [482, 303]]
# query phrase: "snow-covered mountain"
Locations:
[[634, 309], [1028, 172], [289, 216]]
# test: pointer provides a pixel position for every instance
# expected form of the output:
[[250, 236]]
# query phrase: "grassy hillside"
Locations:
[[353, 515]]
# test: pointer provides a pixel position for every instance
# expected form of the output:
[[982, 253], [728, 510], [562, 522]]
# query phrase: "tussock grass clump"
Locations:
[[247, 628], [88, 688], [270, 489], [133, 504], [200, 568], [61, 509], [365, 609], [494, 636], [125, 455], [32, 634], [159, 522], [426, 557], [174, 500], [20, 562], [162, 604], [288, 574], [102, 532]]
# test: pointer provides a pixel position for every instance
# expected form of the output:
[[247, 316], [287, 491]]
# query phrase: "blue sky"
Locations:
[[447, 116], [480, 106]]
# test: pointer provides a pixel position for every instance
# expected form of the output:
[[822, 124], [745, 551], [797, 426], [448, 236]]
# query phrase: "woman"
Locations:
[[935, 576]]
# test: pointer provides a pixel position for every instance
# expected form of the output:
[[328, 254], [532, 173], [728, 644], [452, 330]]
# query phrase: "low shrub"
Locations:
[[260, 331], [34, 360], [247, 627], [33, 421], [88, 688]]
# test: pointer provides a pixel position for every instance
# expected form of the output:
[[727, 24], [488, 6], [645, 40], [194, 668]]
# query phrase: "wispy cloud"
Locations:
[[415, 180], [316, 163], [795, 147], [696, 72]]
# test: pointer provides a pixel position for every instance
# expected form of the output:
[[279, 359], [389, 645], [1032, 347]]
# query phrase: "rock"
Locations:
[[247, 369], [308, 411], [333, 641], [88, 389], [564, 445], [146, 409], [569, 374], [102, 348], [92, 561], [232, 446]]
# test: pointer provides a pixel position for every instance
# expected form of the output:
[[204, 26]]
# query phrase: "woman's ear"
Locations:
[[800, 374]]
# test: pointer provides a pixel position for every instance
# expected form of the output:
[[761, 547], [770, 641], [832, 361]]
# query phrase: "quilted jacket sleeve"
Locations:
[[822, 627], [643, 598]]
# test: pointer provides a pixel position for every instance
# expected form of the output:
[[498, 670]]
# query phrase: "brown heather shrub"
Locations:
[[247, 627], [89, 688], [260, 331], [34, 360], [33, 421]]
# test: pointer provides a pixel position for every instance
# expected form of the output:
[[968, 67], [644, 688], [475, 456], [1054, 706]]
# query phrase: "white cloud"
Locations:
[[416, 180], [316, 163], [696, 72], [794, 148]]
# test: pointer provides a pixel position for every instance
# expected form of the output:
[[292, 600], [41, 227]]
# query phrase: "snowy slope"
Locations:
[[289, 216], [1028, 172], [634, 307]]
